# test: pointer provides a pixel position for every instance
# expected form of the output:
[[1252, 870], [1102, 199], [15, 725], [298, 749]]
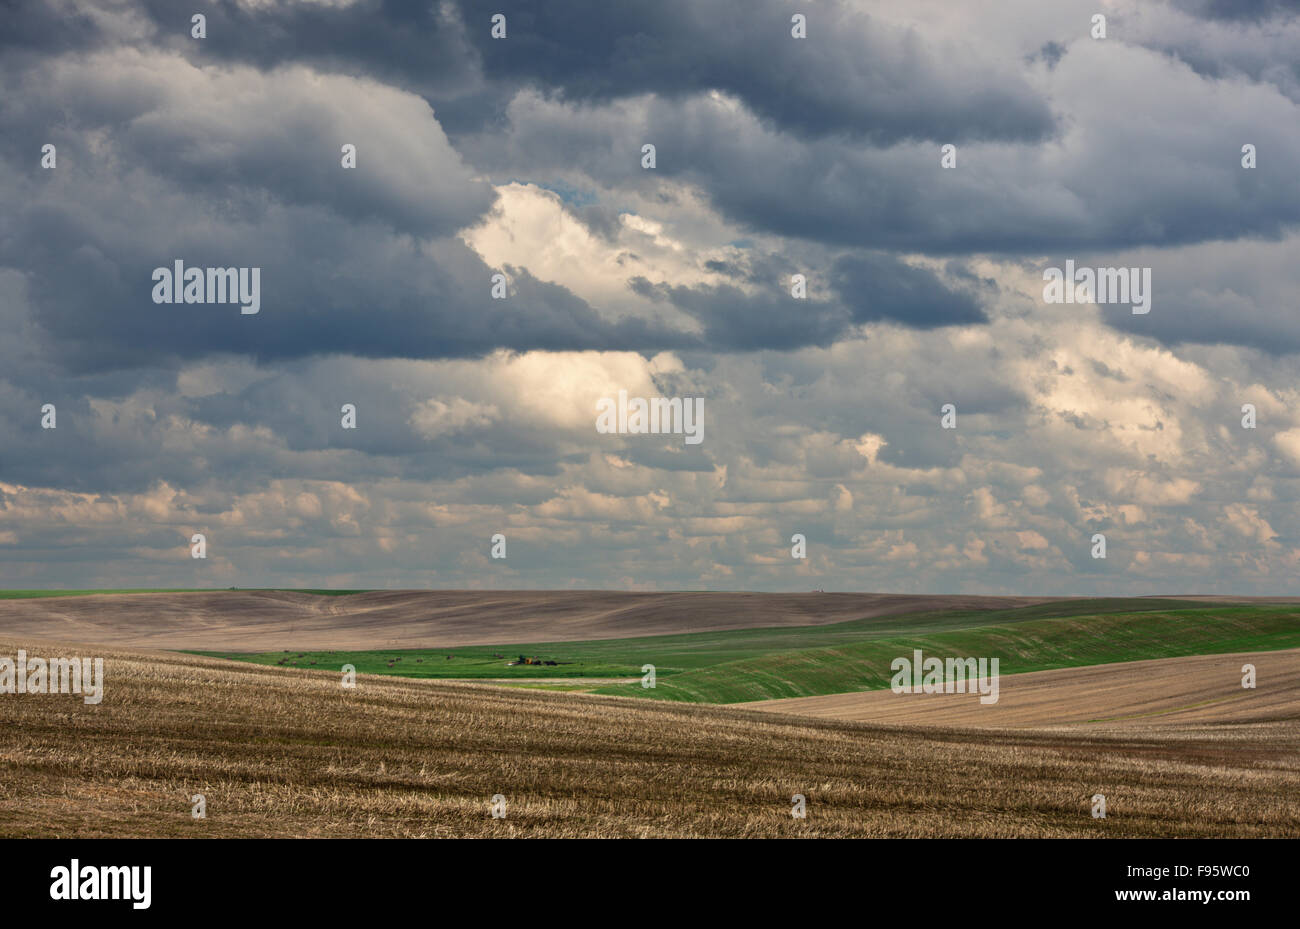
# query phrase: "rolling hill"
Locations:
[[286, 752], [260, 620], [1201, 690], [1032, 645]]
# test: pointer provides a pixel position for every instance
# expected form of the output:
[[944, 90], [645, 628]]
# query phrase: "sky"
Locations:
[[774, 156]]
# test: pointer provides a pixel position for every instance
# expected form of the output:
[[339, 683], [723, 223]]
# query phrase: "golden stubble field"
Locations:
[[1188, 691], [281, 752]]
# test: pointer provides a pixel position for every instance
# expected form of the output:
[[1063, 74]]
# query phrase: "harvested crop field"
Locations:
[[1196, 690], [288, 752], [261, 620]]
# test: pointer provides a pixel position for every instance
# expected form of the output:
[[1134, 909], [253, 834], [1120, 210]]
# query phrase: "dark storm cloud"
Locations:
[[319, 276], [409, 44], [1120, 181], [160, 161], [30, 27], [234, 139], [857, 289], [1245, 43], [745, 322], [797, 172], [879, 287], [1240, 10], [855, 75], [1240, 293], [994, 201]]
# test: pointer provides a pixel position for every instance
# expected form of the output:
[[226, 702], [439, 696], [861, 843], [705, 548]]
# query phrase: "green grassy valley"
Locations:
[[744, 665]]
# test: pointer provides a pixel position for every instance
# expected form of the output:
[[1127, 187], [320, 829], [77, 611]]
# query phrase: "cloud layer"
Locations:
[[774, 157]]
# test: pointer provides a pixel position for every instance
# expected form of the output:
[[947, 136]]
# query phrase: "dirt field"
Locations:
[[268, 620], [1201, 689], [280, 752]]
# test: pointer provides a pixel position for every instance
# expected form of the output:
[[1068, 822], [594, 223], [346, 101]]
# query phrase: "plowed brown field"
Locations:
[[285, 752], [1199, 689], [268, 620]]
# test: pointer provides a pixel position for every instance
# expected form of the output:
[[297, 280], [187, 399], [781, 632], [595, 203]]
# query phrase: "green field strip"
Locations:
[[1038, 645]]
